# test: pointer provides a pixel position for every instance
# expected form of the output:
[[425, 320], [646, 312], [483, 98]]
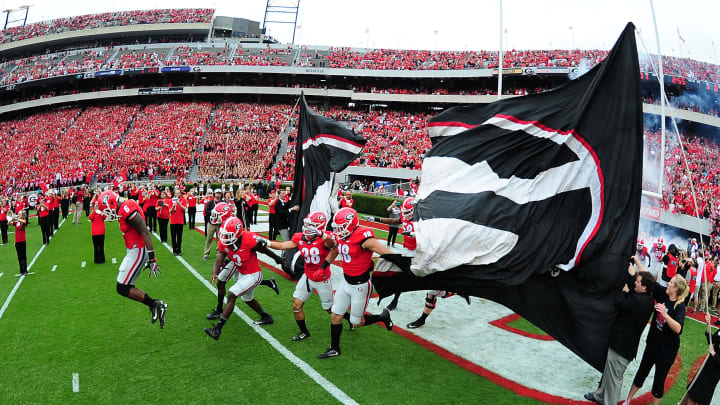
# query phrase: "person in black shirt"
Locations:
[[663, 340], [703, 387], [634, 306]]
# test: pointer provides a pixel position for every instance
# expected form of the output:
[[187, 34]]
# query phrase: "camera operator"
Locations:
[[634, 306]]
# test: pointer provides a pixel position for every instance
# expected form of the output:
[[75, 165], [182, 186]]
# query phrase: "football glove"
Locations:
[[370, 218], [152, 266]]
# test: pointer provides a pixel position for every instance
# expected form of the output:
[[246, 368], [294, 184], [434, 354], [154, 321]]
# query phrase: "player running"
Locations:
[[140, 251], [314, 244], [241, 248], [355, 245], [220, 213]]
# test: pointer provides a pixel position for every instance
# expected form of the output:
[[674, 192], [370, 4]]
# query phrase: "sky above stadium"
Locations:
[[455, 24]]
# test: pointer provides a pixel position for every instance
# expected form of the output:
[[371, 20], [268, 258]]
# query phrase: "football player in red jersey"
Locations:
[[314, 244], [355, 246], [241, 248], [408, 231], [140, 251]]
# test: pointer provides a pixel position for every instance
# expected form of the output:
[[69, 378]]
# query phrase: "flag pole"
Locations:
[[500, 57], [661, 77], [692, 184]]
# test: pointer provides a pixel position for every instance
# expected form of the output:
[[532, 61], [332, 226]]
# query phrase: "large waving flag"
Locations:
[[534, 202], [324, 148]]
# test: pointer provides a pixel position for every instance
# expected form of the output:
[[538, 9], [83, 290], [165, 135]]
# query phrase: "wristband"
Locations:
[[325, 264], [151, 255]]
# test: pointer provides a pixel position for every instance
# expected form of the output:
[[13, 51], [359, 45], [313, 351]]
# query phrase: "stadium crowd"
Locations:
[[112, 19], [243, 140], [72, 145]]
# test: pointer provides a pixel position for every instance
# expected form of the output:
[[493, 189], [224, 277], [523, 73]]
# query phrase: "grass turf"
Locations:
[[72, 321]]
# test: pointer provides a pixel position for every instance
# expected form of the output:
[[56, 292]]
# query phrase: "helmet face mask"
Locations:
[[315, 222], [345, 222], [408, 208], [230, 232], [107, 205], [220, 213]]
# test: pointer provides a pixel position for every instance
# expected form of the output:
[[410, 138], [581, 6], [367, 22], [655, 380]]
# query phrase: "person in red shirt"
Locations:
[[163, 214], [4, 209], [355, 245], [177, 221], [272, 227], [314, 244], [191, 208], [97, 232], [151, 200], [240, 247], [20, 222], [43, 210], [78, 200], [55, 210], [140, 252], [347, 201], [255, 205]]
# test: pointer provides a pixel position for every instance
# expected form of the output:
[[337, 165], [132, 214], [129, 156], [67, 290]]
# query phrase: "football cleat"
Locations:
[[265, 320], [215, 314], [213, 332], [301, 336], [274, 285], [162, 311], [416, 324], [329, 353], [155, 311], [385, 317]]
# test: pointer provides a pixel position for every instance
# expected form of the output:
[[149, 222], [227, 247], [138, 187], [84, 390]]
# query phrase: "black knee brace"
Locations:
[[123, 289], [430, 301]]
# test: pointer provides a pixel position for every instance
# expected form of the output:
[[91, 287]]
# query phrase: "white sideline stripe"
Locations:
[[114, 260], [54, 267], [76, 382], [17, 285], [82, 264], [331, 388]]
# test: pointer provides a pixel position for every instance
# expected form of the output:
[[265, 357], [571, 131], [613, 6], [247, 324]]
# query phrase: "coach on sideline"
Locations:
[[211, 229], [634, 306]]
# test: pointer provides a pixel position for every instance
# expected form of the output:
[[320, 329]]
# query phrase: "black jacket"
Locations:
[[282, 214], [634, 311]]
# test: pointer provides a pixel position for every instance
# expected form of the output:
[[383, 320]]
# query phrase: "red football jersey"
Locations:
[[410, 242], [314, 253], [130, 235], [355, 259], [244, 258]]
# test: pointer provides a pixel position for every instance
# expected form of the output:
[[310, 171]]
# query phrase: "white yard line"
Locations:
[[76, 382], [331, 388], [114, 260], [54, 267], [1, 274], [17, 285], [82, 264]]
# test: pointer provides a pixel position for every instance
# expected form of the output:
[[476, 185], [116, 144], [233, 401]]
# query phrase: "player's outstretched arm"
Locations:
[[284, 245], [376, 246]]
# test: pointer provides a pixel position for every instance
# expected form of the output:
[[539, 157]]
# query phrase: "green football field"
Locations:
[[68, 337]]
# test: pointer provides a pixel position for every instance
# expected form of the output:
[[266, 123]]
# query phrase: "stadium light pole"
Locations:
[[500, 58]]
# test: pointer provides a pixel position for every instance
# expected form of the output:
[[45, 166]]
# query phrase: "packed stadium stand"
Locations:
[[220, 106]]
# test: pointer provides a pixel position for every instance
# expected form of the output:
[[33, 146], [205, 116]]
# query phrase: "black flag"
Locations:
[[534, 202], [324, 147]]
